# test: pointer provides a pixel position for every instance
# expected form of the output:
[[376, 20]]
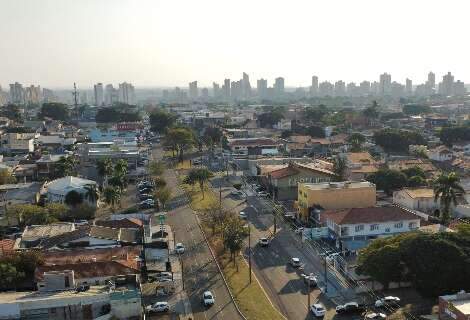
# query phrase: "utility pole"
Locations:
[[182, 271], [249, 250], [308, 293], [275, 222], [326, 274]]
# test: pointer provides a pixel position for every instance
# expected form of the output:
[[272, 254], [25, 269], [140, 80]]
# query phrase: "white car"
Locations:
[[386, 300], [179, 248], [208, 298], [374, 316], [161, 306], [295, 262], [332, 256], [318, 310], [264, 242], [263, 194], [299, 230], [310, 279], [243, 215]]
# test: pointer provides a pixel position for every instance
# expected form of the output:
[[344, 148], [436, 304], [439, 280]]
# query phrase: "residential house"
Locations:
[[353, 228], [360, 165], [58, 299], [455, 306], [253, 146], [18, 143], [434, 120], [333, 195], [19, 193], [26, 172], [48, 166], [236, 133], [402, 164], [420, 199], [283, 182], [440, 153], [54, 143], [59, 188], [36, 235]]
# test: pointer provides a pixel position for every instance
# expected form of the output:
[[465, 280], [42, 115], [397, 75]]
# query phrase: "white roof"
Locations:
[[63, 185]]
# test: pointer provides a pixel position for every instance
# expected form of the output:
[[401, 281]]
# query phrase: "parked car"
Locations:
[[161, 306], [81, 222], [264, 242], [179, 248], [349, 308], [310, 279], [332, 256], [299, 230], [318, 310], [374, 316], [145, 190], [144, 183], [146, 205], [243, 215], [295, 262], [208, 298], [236, 193], [263, 194], [162, 276], [145, 196], [386, 300]]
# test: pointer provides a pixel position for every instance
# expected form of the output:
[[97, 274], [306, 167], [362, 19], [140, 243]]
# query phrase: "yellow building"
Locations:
[[334, 195]]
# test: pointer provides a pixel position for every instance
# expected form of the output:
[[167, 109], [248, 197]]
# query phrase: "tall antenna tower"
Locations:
[[75, 99]]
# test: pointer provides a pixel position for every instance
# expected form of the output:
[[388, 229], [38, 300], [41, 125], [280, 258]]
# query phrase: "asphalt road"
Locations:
[[281, 282], [199, 268]]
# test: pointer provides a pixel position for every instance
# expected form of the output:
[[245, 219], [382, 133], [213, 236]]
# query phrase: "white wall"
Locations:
[[382, 228]]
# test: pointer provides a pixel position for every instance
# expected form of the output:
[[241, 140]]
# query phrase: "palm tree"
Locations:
[[92, 193], [446, 188], [105, 168], [112, 196], [199, 175], [120, 168], [67, 166]]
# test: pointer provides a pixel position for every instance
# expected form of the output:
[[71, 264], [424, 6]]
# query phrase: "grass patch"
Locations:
[[186, 164], [250, 298]]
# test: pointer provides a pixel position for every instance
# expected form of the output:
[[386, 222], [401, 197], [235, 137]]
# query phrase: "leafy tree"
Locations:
[[120, 168], [24, 263], [156, 168], [119, 179], [57, 210], [200, 176], [234, 232], [446, 188], [56, 111], [415, 109], [215, 217], [212, 137], [397, 140], [117, 114], [315, 113], [161, 121], [112, 196], [451, 135], [269, 119], [372, 112], [6, 177], [159, 183], [392, 115], [67, 166], [416, 181], [286, 134], [163, 195], [28, 214], [339, 168], [356, 140], [12, 112], [9, 276], [73, 198], [388, 180], [179, 139], [81, 212], [315, 131], [105, 168]]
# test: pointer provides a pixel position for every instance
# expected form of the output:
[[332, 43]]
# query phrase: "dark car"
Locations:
[[350, 308], [145, 196]]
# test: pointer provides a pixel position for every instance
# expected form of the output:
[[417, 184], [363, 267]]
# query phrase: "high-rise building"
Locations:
[[314, 86], [216, 90], [340, 88], [32, 94], [193, 90], [48, 95], [83, 96], [246, 87], [385, 84], [352, 90], [262, 88], [326, 88], [409, 87], [459, 88], [236, 90], [16, 93], [279, 86], [99, 94], [447, 85], [398, 90], [226, 89], [364, 88], [431, 80], [110, 95], [126, 93], [204, 94], [3, 97]]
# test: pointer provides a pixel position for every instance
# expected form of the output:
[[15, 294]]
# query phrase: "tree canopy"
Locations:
[[388, 180], [446, 188], [435, 263], [55, 110], [179, 139], [451, 135], [115, 114], [161, 121], [415, 109], [393, 140]]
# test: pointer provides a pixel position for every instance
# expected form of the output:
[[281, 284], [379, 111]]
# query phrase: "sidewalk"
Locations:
[[179, 300]]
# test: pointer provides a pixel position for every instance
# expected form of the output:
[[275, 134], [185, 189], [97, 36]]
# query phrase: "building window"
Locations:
[[399, 225], [412, 225], [359, 228], [387, 229], [374, 227], [344, 231]]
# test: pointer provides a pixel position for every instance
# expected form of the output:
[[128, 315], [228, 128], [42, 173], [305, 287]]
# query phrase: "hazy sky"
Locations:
[[171, 42]]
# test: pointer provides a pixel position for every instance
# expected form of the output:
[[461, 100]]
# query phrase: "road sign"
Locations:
[[161, 218]]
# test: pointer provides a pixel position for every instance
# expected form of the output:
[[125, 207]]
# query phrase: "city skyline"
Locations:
[[165, 44]]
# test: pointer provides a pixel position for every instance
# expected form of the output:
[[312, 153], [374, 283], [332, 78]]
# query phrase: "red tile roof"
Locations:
[[122, 223], [6, 246], [368, 215], [253, 142], [284, 172], [90, 269]]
